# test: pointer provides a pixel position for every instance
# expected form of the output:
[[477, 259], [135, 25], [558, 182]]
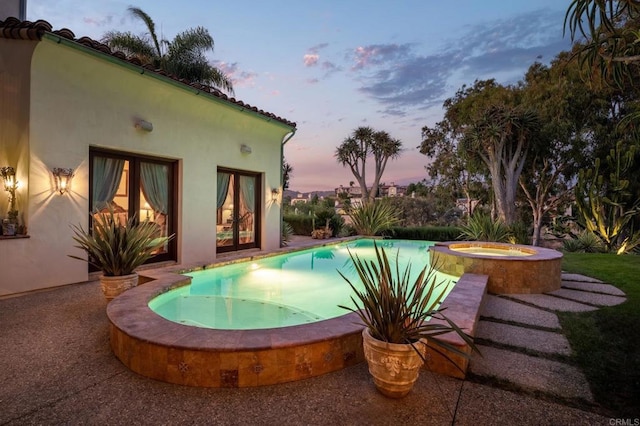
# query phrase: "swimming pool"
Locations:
[[284, 290], [178, 353]]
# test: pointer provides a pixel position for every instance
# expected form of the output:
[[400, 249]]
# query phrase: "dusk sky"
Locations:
[[333, 66]]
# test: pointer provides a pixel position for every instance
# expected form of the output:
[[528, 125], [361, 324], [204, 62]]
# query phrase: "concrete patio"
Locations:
[[57, 367]]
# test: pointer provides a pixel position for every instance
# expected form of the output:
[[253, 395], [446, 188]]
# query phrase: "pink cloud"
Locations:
[[363, 56], [311, 59], [240, 78]]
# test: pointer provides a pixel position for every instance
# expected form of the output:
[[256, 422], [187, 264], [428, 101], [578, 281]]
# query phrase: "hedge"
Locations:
[[427, 233], [301, 224]]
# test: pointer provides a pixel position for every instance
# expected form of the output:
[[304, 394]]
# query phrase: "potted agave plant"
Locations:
[[395, 312], [117, 249]]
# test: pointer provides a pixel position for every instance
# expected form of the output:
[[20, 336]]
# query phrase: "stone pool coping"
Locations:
[[533, 253], [158, 348]]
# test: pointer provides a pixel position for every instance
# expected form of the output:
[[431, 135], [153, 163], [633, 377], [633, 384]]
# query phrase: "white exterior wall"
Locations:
[[79, 100]]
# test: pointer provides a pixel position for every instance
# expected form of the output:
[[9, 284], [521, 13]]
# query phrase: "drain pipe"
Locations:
[[286, 139]]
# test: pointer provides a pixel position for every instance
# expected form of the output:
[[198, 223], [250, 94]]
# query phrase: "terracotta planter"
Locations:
[[114, 286], [394, 367]]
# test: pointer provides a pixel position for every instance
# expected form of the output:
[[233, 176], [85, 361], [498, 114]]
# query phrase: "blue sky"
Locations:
[[332, 66]]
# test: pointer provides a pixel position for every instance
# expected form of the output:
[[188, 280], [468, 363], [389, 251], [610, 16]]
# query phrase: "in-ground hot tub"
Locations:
[[511, 268]]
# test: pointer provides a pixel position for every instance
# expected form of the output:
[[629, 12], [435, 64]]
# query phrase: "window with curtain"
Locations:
[[136, 186], [238, 210]]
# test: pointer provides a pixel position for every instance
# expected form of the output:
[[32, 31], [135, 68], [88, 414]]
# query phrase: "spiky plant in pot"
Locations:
[[396, 312], [117, 249]]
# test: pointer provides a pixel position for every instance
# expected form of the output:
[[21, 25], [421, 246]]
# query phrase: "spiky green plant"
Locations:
[[480, 227], [115, 248], [394, 309], [374, 218], [572, 246], [287, 233], [590, 243]]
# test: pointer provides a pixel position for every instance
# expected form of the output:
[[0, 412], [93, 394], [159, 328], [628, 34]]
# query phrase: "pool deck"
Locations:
[[58, 367]]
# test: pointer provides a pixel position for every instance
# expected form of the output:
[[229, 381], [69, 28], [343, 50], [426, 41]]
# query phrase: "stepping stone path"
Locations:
[[522, 344], [508, 310], [589, 297], [521, 337]]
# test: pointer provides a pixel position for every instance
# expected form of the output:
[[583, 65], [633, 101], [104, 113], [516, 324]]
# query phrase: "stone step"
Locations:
[[593, 287], [553, 303], [541, 341], [577, 277], [532, 373], [586, 297], [509, 310]]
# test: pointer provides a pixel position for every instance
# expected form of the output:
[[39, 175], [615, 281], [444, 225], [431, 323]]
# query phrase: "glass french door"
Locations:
[[136, 186], [238, 210]]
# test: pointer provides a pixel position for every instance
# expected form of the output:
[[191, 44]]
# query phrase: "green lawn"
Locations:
[[606, 342]]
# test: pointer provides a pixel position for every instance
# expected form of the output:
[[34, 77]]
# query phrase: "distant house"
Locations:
[[392, 190], [350, 191], [384, 190], [199, 164], [300, 198], [466, 206]]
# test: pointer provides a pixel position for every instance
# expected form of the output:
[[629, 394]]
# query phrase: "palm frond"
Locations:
[[130, 44], [151, 27], [194, 39]]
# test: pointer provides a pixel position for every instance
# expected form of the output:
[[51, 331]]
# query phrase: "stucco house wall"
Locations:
[[79, 99]]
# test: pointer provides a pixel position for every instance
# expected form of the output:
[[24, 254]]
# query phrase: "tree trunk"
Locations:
[[537, 226]]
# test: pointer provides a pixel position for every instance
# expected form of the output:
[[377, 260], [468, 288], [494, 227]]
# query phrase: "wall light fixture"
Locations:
[[10, 185], [63, 179], [147, 126]]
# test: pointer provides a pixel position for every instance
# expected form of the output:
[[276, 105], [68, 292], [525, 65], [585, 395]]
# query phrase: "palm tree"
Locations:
[[183, 57]]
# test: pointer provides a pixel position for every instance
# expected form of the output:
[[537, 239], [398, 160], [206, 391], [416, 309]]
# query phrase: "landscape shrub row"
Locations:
[[428, 233], [301, 224]]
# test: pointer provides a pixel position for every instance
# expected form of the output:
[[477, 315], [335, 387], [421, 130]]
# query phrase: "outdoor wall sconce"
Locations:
[[147, 126], [63, 179], [9, 178], [274, 194], [10, 185], [245, 149]]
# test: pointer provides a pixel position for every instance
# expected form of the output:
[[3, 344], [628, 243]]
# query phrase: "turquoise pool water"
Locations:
[[283, 290], [489, 251]]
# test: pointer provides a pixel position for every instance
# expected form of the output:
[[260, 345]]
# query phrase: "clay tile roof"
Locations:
[[13, 28]]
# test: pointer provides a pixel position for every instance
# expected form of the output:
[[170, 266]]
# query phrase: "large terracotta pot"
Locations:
[[394, 367], [114, 286]]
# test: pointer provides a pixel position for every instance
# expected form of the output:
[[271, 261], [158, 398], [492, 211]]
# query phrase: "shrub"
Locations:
[[520, 233], [374, 218], [415, 211], [287, 232], [347, 231], [571, 246], [426, 233], [480, 227], [590, 242], [301, 224], [336, 222]]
